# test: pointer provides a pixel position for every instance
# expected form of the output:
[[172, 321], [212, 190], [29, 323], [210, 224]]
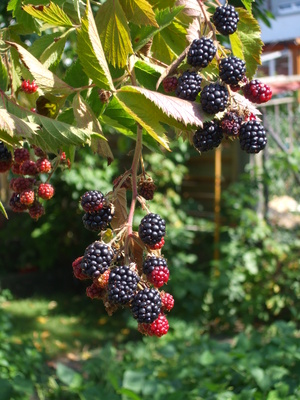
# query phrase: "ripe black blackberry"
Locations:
[[146, 305], [225, 19], [92, 201], [252, 137], [232, 70], [152, 262], [208, 137], [231, 124], [189, 85], [201, 52], [122, 284], [98, 221], [152, 229], [96, 259], [214, 98]]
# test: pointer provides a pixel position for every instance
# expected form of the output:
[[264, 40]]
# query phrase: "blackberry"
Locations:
[[231, 124], [225, 19], [96, 259], [15, 203], [43, 165], [189, 85], [146, 305], [257, 92], [36, 210], [232, 70], [46, 191], [99, 220], [5, 158], [159, 327], [28, 167], [159, 245], [201, 52], [208, 137], [156, 270], [146, 188], [21, 155], [122, 284], [214, 98], [77, 270], [20, 184], [27, 197], [152, 262], [252, 137], [92, 201], [170, 84], [167, 301], [152, 229]]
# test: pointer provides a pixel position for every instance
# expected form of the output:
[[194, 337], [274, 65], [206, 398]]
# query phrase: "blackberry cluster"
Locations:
[[201, 52], [257, 92], [29, 87], [232, 70], [252, 137], [97, 221], [208, 137], [92, 201], [5, 158], [152, 229], [189, 85], [146, 305], [231, 124], [96, 259], [226, 19], [214, 98], [122, 284]]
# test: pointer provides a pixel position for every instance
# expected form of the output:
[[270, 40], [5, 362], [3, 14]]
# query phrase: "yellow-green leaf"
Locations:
[[91, 54], [51, 14], [114, 33], [139, 12]]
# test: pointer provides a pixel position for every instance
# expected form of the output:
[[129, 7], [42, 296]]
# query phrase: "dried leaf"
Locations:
[[191, 7], [120, 204], [136, 250]]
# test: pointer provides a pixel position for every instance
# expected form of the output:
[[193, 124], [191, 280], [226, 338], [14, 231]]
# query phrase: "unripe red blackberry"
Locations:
[[15, 168], [167, 301], [170, 84], [201, 52], [226, 19], [77, 270], [15, 203], [232, 70], [231, 124], [146, 305], [189, 85], [98, 221], [214, 98], [95, 292], [156, 270], [122, 284], [157, 246], [39, 152], [257, 92], [152, 229], [208, 137], [43, 165], [27, 197], [46, 191], [21, 155], [252, 137], [36, 210], [97, 259], [5, 158], [92, 201], [28, 167], [20, 184], [158, 328]]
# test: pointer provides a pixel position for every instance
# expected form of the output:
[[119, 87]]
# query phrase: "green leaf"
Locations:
[[246, 43], [52, 14], [38, 46], [139, 12], [52, 54], [262, 380], [175, 37], [75, 76], [91, 53], [44, 78], [129, 394], [86, 119], [2, 209], [15, 126], [68, 376], [27, 24], [114, 33], [161, 51], [247, 4], [3, 76], [146, 75]]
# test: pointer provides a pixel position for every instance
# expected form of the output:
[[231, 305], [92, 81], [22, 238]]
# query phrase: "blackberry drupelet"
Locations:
[[122, 284], [257, 92], [96, 259], [201, 52], [97, 221], [231, 124], [152, 229], [225, 19], [232, 70], [146, 305], [189, 85], [252, 137], [208, 137], [92, 201], [214, 98]]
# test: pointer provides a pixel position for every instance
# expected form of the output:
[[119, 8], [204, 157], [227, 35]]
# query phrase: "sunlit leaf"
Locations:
[[139, 12], [51, 14]]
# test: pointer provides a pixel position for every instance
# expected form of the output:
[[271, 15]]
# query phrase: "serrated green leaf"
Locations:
[[2, 209], [52, 54], [51, 14], [139, 12], [38, 46], [247, 4], [247, 39], [146, 75], [161, 51], [175, 37], [75, 76], [85, 118], [91, 53], [3, 76], [141, 36], [44, 78], [114, 33], [15, 126], [26, 23]]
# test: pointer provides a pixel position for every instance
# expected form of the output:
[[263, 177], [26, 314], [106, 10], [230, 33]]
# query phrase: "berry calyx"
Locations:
[[257, 92], [46, 191], [214, 98], [170, 84], [92, 201], [152, 229], [252, 137], [189, 85], [208, 137], [232, 70], [201, 52], [226, 19]]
